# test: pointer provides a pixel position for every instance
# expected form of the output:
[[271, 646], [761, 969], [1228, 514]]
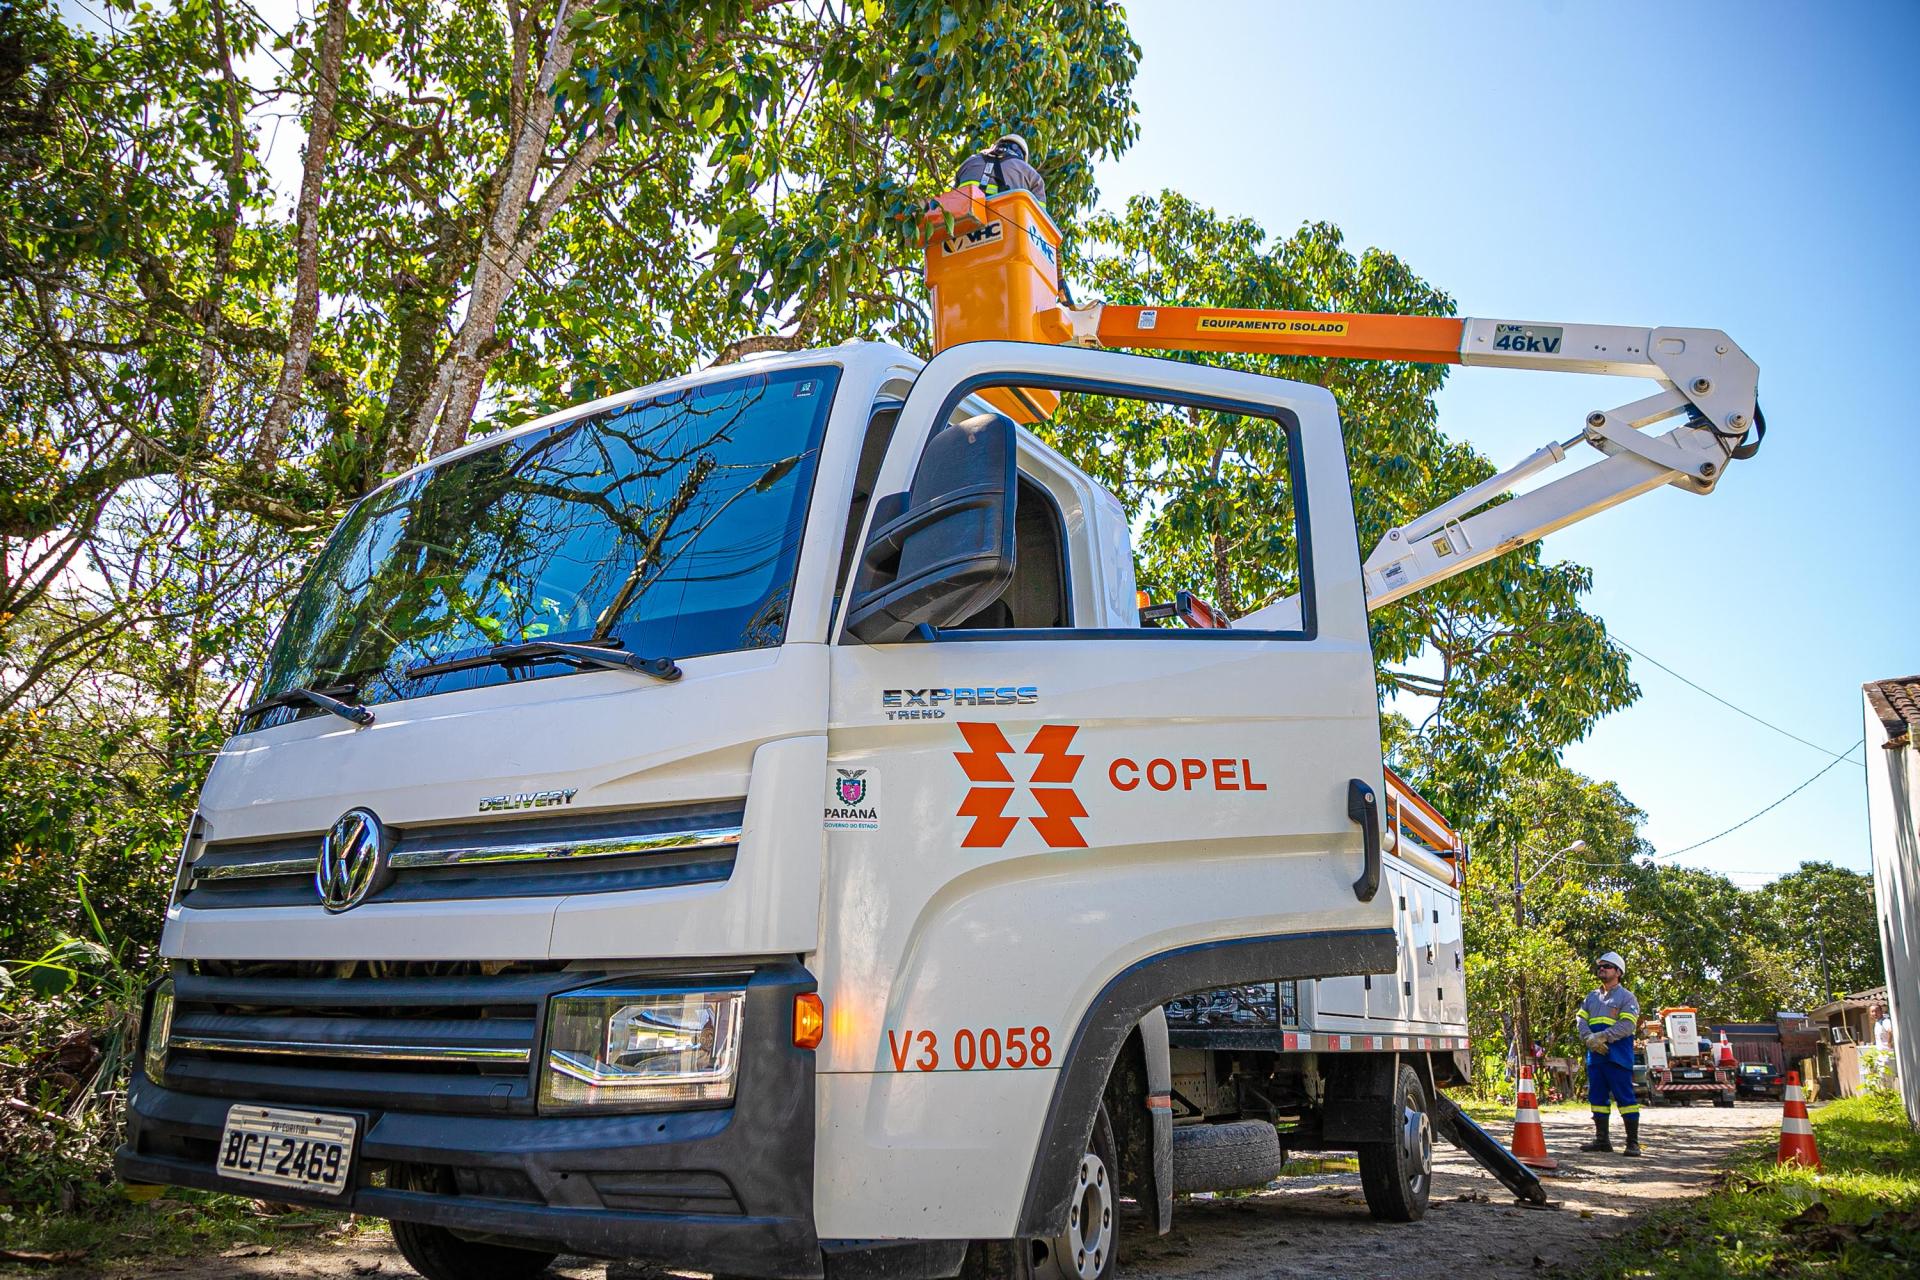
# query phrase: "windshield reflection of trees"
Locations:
[[608, 527]]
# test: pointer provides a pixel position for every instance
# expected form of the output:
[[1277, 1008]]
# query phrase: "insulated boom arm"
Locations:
[[1704, 379], [993, 273]]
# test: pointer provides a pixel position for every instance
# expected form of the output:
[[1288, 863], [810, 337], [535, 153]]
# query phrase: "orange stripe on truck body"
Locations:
[[1349, 336]]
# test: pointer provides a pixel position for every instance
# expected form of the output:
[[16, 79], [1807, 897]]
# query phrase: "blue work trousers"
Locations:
[[1610, 1082]]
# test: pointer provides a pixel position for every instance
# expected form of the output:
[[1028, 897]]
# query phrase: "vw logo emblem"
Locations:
[[352, 862]]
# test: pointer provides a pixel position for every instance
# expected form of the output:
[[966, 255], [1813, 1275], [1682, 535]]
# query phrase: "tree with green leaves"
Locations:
[[501, 209], [1821, 925]]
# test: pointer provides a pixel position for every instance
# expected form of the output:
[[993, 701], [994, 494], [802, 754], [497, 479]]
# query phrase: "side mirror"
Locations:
[[943, 550]]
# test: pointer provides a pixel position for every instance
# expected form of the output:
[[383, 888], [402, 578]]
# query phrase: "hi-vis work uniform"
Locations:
[[1610, 1073], [997, 170]]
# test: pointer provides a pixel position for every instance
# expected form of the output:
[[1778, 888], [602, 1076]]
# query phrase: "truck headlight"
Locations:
[[159, 1030], [630, 1048]]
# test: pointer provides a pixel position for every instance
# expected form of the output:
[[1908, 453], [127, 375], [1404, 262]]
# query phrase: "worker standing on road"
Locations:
[[1607, 1019], [1002, 167]]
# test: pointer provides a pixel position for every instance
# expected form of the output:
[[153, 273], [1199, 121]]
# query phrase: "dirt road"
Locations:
[[1313, 1227], [1300, 1227]]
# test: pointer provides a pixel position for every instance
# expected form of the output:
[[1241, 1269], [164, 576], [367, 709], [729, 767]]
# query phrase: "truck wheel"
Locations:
[[1397, 1176], [438, 1254], [1723, 1102], [1089, 1248]]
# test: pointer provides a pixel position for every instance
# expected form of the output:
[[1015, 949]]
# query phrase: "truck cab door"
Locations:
[[1045, 819]]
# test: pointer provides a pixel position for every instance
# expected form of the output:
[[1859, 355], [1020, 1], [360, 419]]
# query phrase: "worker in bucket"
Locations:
[[1002, 167], [1607, 1019]]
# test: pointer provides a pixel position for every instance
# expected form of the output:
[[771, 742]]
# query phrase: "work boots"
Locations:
[[1633, 1132], [1600, 1141]]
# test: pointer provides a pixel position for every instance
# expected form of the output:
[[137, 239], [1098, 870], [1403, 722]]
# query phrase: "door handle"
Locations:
[[1364, 809]]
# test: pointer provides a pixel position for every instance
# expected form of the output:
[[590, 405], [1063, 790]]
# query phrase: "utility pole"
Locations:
[[1826, 972], [1522, 1025], [1523, 1029]]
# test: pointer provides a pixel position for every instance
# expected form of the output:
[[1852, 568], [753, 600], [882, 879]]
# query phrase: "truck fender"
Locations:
[[1159, 1061], [1139, 1099], [1113, 1018]]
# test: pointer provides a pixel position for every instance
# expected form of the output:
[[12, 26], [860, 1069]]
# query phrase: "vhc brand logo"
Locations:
[[979, 238], [352, 862], [852, 786]]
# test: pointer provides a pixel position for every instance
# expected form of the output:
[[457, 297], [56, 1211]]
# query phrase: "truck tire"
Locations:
[[1225, 1157], [1397, 1176], [438, 1254], [1089, 1249]]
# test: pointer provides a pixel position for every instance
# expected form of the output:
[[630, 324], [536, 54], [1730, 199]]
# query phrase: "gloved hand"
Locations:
[[1596, 1043]]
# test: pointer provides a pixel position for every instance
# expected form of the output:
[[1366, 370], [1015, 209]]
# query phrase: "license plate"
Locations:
[[1690, 1075], [304, 1149]]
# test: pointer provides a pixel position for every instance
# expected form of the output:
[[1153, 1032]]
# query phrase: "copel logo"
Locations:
[[1050, 781]]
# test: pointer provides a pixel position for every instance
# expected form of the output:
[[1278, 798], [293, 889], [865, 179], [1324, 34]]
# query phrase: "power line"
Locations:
[[1731, 706], [1770, 808]]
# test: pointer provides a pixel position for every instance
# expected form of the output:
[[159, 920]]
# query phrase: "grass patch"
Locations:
[[1318, 1166], [1482, 1109], [1859, 1217], [182, 1222]]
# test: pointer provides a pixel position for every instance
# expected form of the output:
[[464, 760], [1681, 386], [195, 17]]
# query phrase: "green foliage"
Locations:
[[1859, 1217], [1689, 936], [1822, 922], [620, 191]]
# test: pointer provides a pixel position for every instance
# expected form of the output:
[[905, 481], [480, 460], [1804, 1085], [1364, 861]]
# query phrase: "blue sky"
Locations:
[[1746, 167]]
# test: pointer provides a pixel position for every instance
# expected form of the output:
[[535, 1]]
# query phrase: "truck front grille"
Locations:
[[451, 1038], [575, 853]]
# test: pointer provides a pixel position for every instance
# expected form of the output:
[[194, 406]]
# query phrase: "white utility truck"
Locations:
[[1683, 1066], [745, 823]]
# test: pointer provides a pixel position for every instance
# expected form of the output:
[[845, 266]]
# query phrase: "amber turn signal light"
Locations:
[[809, 1021]]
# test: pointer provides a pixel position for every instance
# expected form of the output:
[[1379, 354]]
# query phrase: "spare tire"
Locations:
[[1225, 1157]]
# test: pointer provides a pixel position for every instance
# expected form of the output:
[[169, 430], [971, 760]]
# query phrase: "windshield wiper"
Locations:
[[528, 651], [313, 698]]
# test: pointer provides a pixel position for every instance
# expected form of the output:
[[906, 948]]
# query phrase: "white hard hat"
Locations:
[[1016, 140], [1613, 958]]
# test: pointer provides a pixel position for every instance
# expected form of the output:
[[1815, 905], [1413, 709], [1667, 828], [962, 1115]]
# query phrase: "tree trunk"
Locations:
[[477, 343], [306, 295], [511, 194], [223, 234]]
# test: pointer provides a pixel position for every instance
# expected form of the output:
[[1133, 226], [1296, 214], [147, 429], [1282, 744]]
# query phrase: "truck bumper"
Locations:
[[722, 1190]]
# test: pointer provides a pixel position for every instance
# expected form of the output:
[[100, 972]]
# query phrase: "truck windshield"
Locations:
[[670, 526]]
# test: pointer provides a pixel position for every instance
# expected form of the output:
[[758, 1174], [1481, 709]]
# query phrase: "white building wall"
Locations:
[[1893, 787]]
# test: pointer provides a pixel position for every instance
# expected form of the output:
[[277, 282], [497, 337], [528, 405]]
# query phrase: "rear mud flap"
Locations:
[[1456, 1127]]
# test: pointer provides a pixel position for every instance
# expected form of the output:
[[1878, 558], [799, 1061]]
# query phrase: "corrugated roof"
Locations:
[[1897, 703]]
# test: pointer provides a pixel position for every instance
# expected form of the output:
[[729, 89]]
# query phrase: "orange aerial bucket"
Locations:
[[993, 273]]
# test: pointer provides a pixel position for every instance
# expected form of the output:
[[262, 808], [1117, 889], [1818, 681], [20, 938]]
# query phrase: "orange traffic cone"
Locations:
[[1529, 1139], [1796, 1131], [1724, 1054]]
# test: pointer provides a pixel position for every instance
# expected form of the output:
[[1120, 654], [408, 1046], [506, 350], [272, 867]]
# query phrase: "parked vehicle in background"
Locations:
[[1680, 1062], [1757, 1080]]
